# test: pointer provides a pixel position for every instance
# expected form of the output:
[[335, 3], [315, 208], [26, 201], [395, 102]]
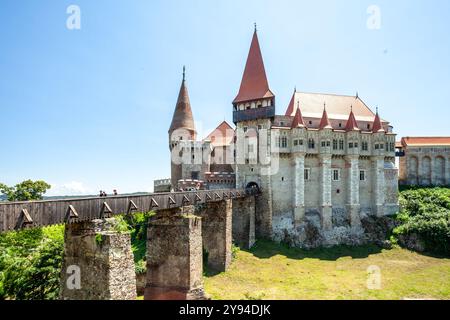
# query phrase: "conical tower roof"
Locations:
[[377, 127], [325, 122], [290, 109], [298, 121], [254, 84], [182, 116], [352, 125]]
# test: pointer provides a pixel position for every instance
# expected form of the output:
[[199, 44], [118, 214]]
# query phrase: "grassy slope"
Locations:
[[273, 271]]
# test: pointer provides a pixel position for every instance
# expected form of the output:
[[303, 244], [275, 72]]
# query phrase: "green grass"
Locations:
[[274, 271]]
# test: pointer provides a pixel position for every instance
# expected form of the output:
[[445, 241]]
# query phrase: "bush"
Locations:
[[30, 263], [425, 217]]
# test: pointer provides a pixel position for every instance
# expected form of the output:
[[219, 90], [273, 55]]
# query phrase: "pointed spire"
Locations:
[[352, 125], [377, 127], [325, 122], [254, 84], [298, 118], [182, 116], [290, 109]]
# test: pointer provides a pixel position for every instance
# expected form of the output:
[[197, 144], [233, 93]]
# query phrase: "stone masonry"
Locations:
[[216, 233], [174, 256], [98, 262]]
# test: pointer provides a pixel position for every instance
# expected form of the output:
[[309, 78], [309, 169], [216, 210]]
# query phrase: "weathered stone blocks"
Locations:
[[174, 256], [244, 221], [98, 262], [216, 233]]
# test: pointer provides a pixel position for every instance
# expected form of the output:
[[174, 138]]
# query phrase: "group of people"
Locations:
[[104, 194]]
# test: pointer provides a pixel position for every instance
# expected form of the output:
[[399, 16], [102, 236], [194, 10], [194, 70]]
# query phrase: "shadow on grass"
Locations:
[[266, 249]]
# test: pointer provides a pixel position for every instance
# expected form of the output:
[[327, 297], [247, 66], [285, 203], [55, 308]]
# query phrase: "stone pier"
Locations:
[[216, 233], [98, 262], [244, 222], [174, 256]]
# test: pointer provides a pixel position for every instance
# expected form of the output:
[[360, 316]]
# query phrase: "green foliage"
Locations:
[[425, 213], [30, 263], [234, 250], [31, 259], [98, 239], [25, 191], [137, 223]]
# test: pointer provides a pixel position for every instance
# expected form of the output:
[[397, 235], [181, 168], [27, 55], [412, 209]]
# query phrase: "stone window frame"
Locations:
[[364, 146], [363, 175], [341, 144], [307, 174], [334, 177], [335, 144]]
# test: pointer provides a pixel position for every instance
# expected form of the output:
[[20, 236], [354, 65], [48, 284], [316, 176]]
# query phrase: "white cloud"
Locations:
[[73, 188]]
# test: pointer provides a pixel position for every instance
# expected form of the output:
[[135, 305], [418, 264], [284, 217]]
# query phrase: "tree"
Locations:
[[25, 191]]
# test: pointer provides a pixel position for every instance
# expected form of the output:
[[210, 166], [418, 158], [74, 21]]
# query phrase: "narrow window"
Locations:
[[362, 175], [307, 174], [341, 144], [328, 143], [350, 145], [335, 174], [335, 144], [323, 143], [300, 142]]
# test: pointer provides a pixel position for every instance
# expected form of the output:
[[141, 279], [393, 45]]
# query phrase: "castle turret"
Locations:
[[182, 126], [181, 132], [377, 127], [255, 100]]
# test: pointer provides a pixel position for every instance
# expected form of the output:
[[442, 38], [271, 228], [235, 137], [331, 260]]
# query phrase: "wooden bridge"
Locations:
[[98, 260], [18, 215]]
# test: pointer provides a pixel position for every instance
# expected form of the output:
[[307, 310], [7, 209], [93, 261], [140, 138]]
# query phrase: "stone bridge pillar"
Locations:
[[244, 221], [98, 262], [174, 256], [216, 233]]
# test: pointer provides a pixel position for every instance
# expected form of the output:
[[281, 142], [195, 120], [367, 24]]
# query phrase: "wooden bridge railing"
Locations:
[[19, 215]]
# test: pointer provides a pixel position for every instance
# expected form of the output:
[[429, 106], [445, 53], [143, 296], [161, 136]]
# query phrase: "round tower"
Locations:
[[182, 130]]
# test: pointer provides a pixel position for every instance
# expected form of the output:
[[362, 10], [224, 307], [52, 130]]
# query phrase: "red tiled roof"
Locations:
[[298, 119], [221, 136], [423, 141], [254, 84], [338, 106], [290, 110], [377, 127], [352, 125], [182, 116], [325, 122]]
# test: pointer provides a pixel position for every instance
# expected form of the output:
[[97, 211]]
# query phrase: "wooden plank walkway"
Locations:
[[18, 215]]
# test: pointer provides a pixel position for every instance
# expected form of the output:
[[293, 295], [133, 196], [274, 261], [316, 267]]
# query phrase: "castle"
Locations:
[[321, 167]]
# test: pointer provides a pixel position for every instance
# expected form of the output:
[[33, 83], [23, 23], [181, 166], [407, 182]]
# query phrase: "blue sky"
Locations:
[[89, 109]]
